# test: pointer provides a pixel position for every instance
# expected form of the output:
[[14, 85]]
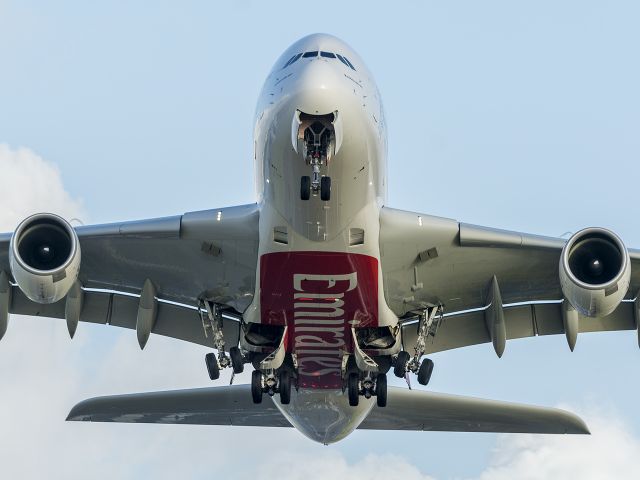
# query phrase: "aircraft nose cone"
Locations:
[[320, 73], [321, 87]]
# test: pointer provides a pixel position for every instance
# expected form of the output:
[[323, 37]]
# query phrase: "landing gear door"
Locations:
[[295, 128], [337, 130]]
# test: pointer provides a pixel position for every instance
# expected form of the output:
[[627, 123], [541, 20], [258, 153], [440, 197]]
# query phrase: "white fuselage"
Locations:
[[319, 269]]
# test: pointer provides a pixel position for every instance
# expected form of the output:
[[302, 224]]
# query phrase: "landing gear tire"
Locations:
[[425, 371], [256, 386], [353, 386], [400, 368], [305, 188], [325, 189], [381, 390], [212, 366], [237, 360], [285, 387]]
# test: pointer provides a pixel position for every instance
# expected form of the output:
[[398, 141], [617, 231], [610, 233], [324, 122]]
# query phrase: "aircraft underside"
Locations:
[[319, 286]]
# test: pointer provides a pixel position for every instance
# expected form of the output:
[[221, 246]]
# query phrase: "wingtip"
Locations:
[[76, 415], [576, 425]]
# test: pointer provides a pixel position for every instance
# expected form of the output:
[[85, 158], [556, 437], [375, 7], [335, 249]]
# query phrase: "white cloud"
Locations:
[[611, 451], [334, 466], [29, 184]]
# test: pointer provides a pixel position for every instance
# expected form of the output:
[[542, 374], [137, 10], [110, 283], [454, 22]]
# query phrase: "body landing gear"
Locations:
[[270, 384], [367, 387]]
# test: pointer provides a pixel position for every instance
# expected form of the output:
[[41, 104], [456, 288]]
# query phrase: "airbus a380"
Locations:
[[319, 286]]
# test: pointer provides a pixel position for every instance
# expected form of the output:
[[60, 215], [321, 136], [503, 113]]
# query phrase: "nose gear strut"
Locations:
[[317, 134]]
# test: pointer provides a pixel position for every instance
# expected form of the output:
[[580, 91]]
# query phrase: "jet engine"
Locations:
[[595, 270], [44, 255]]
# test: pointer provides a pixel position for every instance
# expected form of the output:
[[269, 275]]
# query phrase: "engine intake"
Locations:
[[44, 255], [595, 271]]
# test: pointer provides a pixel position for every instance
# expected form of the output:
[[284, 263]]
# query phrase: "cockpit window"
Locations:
[[314, 54], [289, 62], [295, 59], [350, 64], [341, 58], [292, 60], [345, 61]]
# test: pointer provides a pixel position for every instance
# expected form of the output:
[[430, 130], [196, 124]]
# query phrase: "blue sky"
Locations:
[[520, 115]]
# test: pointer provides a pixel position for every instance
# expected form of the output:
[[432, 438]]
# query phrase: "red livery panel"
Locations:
[[319, 296]]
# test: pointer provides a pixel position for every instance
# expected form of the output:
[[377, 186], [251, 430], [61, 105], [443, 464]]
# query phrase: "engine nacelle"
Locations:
[[44, 255], [595, 271]]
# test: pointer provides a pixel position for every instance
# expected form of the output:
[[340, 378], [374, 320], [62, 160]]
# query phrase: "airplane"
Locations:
[[319, 286]]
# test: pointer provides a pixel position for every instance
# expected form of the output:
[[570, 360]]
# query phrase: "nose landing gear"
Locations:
[[316, 134], [318, 184]]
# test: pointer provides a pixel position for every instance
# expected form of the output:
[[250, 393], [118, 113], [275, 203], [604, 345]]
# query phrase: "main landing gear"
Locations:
[[428, 325], [211, 318], [270, 383], [368, 386]]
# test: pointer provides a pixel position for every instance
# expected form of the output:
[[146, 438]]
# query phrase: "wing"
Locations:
[[228, 405], [406, 410], [208, 254], [428, 261]]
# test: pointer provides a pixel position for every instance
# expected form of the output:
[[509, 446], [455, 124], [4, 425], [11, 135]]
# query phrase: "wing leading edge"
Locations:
[[406, 410], [428, 261], [209, 254]]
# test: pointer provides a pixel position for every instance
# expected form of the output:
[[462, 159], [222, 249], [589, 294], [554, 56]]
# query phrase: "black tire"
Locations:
[[381, 390], [325, 189], [305, 188], [237, 360], [400, 368], [256, 386], [285, 387], [425, 371], [354, 389], [212, 366]]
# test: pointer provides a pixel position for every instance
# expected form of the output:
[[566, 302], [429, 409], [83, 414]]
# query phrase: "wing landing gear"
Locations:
[[212, 366], [430, 320], [211, 317]]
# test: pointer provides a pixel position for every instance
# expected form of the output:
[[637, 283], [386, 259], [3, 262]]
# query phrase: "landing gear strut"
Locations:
[[318, 147], [212, 325], [430, 320]]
